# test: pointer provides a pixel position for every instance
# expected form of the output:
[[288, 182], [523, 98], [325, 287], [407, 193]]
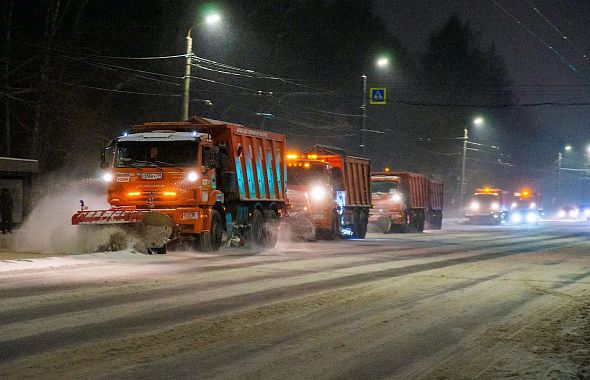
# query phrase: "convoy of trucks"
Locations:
[[210, 182], [405, 201], [329, 194], [497, 206], [198, 180]]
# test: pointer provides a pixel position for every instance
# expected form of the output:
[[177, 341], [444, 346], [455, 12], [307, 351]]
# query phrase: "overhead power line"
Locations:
[[536, 36]]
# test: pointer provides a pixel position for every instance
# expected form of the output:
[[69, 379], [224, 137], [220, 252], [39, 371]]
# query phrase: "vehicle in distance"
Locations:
[[488, 206], [526, 207], [405, 201]]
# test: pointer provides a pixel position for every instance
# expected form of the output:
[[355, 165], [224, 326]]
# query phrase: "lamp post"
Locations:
[[567, 148], [382, 63], [478, 121], [210, 19]]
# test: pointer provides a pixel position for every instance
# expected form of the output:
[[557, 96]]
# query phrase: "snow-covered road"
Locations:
[[493, 302]]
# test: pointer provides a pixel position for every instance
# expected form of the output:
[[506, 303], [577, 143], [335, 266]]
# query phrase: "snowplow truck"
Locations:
[[488, 206], [204, 181], [526, 207], [404, 202], [329, 194]]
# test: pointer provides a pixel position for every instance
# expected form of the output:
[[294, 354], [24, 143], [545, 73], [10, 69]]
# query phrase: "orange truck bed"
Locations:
[[256, 156], [356, 173]]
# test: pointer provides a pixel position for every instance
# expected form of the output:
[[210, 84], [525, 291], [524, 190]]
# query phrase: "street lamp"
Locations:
[[568, 148], [210, 19], [477, 122], [381, 62]]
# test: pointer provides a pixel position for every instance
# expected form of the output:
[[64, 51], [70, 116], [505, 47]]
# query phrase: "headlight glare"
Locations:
[[318, 193], [192, 176]]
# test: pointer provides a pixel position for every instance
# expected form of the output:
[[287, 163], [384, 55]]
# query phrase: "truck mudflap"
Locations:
[[154, 229]]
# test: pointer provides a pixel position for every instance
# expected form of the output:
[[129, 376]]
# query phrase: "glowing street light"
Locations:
[[568, 148], [212, 18], [381, 62], [477, 122]]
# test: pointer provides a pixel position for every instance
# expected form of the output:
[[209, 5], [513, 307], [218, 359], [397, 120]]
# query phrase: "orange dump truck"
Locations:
[[203, 180], [488, 206], [403, 200], [329, 193]]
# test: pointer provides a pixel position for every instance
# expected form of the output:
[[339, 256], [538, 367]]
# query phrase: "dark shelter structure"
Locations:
[[16, 175]]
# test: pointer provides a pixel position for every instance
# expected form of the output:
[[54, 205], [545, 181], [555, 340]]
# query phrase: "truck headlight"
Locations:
[[318, 193], [495, 206], [107, 177], [192, 176], [396, 197], [515, 217], [474, 206], [561, 214], [531, 217]]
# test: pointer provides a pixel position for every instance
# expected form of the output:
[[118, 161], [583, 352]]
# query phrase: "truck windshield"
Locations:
[[156, 153], [383, 186], [489, 198], [300, 175]]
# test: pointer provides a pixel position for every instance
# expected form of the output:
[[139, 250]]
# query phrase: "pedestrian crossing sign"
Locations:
[[378, 95]]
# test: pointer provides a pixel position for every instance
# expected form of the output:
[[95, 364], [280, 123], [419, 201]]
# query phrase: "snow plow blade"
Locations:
[[154, 229]]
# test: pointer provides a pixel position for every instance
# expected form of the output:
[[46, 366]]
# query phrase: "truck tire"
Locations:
[[420, 219], [211, 241], [270, 229], [359, 225], [255, 235], [334, 233]]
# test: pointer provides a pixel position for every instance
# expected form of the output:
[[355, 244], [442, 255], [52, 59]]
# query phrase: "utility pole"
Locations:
[[559, 160], [364, 114], [187, 77], [465, 138]]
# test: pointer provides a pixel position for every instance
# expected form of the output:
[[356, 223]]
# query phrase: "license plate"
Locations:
[[151, 176]]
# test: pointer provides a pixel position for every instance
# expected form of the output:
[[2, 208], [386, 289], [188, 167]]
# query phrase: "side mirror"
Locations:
[[103, 154], [214, 161], [103, 159]]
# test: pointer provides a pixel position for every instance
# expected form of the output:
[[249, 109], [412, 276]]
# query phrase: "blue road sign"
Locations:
[[378, 95]]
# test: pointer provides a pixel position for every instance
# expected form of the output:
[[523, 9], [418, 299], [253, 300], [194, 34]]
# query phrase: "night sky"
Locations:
[[538, 73], [78, 84]]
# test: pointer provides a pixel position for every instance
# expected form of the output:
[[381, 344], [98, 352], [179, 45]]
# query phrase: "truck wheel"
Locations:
[[360, 226], [420, 219], [362, 229], [211, 241], [335, 227], [256, 234], [157, 251], [270, 229], [384, 225]]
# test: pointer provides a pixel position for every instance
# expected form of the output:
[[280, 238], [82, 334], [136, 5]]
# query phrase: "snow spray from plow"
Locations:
[[151, 228]]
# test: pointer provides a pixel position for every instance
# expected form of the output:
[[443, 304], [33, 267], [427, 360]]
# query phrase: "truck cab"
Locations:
[[488, 206], [526, 207], [312, 192]]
